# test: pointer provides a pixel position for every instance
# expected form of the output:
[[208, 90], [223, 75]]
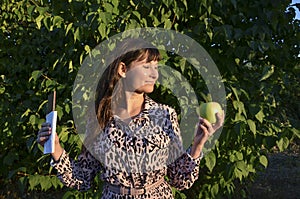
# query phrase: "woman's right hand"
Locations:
[[44, 134]]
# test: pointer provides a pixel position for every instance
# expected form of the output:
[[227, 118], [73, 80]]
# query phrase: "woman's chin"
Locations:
[[148, 88]]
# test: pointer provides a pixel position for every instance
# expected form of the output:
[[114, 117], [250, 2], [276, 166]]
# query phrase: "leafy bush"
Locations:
[[254, 43]]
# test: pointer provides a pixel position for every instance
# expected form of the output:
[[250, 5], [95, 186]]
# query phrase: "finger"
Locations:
[[198, 130], [42, 140], [208, 125], [220, 120], [204, 130], [46, 133], [46, 124], [44, 129], [221, 116]]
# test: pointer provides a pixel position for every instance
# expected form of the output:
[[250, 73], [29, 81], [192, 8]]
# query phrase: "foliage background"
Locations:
[[254, 43]]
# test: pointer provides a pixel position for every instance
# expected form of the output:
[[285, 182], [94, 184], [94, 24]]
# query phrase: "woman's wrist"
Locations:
[[58, 152], [196, 151]]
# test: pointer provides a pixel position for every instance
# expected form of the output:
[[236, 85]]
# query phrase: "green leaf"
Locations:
[[267, 72], [296, 132], [210, 34], [45, 182], [64, 135], [239, 155], [106, 17], [42, 10], [260, 116], [33, 120], [33, 180], [263, 160], [57, 21], [30, 10], [69, 194], [69, 26], [235, 91], [87, 49], [168, 24], [102, 30], [2, 89], [241, 169], [38, 21], [71, 67], [232, 158], [60, 111], [35, 75], [46, 22], [182, 64], [252, 126], [137, 14], [108, 7], [210, 161], [283, 143], [56, 182], [67, 108], [239, 105], [214, 190], [50, 83], [40, 106], [77, 34]]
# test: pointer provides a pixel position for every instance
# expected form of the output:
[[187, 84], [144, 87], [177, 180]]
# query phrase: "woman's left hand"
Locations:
[[204, 130]]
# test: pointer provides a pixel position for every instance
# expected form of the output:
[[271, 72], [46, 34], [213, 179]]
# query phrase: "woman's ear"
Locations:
[[122, 69]]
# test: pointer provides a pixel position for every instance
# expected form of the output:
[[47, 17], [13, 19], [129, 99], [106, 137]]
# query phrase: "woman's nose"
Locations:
[[154, 72]]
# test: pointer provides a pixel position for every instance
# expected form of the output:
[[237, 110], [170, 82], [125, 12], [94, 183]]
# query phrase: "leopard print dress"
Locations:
[[134, 155]]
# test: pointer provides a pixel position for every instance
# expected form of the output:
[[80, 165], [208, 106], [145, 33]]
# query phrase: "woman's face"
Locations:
[[141, 76]]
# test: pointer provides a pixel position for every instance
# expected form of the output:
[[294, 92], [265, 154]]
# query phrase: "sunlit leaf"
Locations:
[[263, 160], [210, 161]]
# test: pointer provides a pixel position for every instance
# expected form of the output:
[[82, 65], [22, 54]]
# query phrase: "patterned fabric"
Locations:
[[136, 154]]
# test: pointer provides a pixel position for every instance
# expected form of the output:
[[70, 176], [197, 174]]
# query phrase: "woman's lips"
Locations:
[[149, 82]]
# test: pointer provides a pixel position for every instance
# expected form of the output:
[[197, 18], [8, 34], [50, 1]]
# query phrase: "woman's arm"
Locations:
[[184, 171], [77, 174]]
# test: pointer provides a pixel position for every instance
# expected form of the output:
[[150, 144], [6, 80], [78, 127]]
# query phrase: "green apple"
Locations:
[[208, 111]]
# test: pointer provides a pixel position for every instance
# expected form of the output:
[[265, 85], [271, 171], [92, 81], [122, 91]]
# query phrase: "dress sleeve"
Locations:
[[183, 169], [77, 174]]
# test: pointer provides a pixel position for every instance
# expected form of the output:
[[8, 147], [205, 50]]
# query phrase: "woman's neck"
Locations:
[[134, 102], [130, 106]]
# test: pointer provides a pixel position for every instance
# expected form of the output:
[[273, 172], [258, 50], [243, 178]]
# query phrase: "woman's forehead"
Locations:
[[144, 61]]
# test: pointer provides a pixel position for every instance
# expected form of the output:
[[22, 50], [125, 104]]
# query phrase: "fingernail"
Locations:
[[201, 119]]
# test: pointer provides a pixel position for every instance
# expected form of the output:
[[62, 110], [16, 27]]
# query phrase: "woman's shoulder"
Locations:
[[151, 104]]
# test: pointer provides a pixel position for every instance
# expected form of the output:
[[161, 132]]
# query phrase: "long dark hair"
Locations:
[[107, 89]]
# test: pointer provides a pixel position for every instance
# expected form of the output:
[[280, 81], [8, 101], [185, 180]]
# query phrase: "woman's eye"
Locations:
[[148, 67]]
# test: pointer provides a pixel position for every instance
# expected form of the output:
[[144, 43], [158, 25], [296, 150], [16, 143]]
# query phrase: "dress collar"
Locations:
[[144, 114]]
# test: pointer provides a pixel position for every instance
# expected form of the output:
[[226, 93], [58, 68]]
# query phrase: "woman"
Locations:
[[138, 149]]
